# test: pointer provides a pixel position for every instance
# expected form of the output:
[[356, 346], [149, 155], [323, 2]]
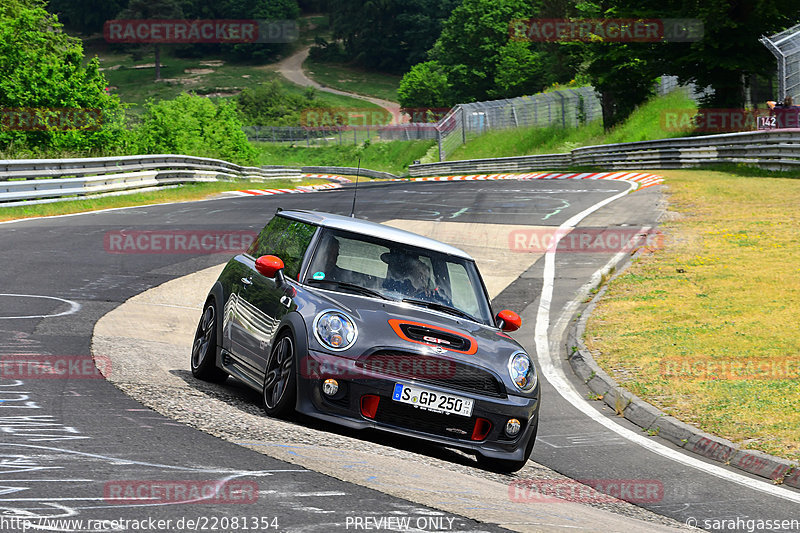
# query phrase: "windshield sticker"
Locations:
[[319, 275]]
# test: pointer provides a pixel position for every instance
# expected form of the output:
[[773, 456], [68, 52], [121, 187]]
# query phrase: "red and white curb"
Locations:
[[332, 177], [300, 189], [643, 179]]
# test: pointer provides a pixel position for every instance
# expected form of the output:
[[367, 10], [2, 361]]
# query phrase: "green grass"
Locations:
[[353, 79], [646, 123], [705, 325], [394, 156], [192, 191], [217, 78]]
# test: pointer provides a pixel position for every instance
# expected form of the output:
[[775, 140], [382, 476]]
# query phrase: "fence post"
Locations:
[[463, 126], [441, 148]]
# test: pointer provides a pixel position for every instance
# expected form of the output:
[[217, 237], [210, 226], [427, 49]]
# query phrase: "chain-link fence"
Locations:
[[568, 107], [317, 136], [785, 46], [667, 84]]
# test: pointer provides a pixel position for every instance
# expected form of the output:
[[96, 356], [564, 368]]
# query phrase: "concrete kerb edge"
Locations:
[[654, 421]]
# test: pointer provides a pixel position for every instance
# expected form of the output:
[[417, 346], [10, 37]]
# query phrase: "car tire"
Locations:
[[204, 347], [280, 386], [505, 466]]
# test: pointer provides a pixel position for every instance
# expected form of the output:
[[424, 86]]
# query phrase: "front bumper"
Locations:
[[345, 408]]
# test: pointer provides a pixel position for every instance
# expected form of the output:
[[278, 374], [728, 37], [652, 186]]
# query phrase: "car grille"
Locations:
[[440, 371], [414, 418], [435, 336]]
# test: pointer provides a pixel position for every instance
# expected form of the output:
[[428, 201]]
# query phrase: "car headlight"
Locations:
[[522, 371], [335, 330]]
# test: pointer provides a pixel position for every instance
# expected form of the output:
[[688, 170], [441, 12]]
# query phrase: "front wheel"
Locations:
[[280, 386], [204, 347], [505, 466]]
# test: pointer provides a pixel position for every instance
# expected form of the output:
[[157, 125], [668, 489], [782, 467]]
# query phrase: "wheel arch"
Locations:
[[294, 323], [217, 294]]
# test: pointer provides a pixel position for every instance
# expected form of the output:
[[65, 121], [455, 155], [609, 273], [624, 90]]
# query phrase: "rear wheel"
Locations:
[[204, 347], [280, 386], [505, 466]]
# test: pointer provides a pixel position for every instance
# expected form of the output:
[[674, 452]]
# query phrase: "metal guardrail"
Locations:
[[349, 171], [36, 180], [771, 150]]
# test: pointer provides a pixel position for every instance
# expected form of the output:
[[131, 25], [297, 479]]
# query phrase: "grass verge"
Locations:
[[192, 191], [394, 156], [706, 326], [646, 123]]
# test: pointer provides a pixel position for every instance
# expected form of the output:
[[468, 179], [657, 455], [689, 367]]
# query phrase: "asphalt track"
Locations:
[[65, 440]]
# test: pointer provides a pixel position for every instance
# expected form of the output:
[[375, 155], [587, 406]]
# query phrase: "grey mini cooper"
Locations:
[[369, 326]]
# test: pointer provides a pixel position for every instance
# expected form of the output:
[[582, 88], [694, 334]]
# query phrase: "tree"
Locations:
[[729, 50], [153, 9], [42, 77], [268, 10], [86, 16], [474, 40], [426, 86], [623, 73], [388, 35]]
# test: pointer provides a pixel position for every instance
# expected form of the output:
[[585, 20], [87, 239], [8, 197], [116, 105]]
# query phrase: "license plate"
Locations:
[[432, 401]]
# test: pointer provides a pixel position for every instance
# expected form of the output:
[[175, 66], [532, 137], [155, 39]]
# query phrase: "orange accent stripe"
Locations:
[[396, 322]]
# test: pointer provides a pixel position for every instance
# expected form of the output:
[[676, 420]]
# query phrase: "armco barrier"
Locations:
[[771, 150], [27, 179], [349, 171]]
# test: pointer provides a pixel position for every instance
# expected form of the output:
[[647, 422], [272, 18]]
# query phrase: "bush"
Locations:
[[425, 85], [193, 125], [50, 100]]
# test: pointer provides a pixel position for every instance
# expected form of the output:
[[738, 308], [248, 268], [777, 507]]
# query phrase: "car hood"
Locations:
[[385, 324]]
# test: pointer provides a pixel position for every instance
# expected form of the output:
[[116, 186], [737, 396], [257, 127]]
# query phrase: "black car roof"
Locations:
[[381, 231]]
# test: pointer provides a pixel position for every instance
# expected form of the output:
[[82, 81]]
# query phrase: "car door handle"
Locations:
[[247, 281]]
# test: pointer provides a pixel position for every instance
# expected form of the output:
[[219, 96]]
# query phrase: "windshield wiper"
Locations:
[[351, 286], [441, 307]]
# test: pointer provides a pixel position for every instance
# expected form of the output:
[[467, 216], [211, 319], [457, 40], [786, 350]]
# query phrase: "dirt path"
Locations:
[[292, 69]]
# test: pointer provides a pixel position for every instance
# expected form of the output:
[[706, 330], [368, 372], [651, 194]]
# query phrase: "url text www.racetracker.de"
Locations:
[[749, 525], [225, 524]]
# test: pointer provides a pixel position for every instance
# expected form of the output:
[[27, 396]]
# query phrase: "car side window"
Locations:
[[287, 239]]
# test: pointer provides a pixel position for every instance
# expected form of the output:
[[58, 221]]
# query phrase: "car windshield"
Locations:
[[346, 261]]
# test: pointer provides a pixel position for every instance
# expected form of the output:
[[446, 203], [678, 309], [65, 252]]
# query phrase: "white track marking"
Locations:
[[74, 307], [552, 371]]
